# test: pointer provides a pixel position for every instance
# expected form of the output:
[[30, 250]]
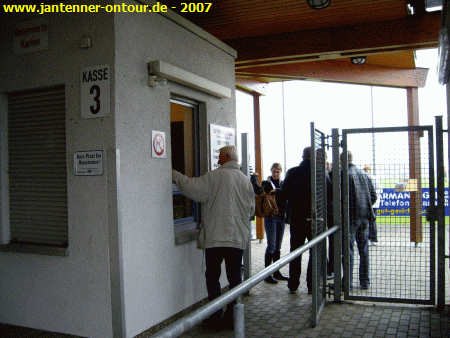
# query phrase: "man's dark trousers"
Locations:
[[299, 232], [360, 234], [214, 258]]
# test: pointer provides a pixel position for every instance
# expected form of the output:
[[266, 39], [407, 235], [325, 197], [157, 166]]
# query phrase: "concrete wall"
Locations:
[[159, 277], [4, 186], [65, 294]]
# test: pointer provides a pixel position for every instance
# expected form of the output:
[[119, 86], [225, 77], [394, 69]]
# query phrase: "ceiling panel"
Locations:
[[230, 19]]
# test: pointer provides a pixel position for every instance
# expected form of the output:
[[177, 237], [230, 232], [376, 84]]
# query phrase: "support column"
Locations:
[[416, 228], [258, 156], [447, 87]]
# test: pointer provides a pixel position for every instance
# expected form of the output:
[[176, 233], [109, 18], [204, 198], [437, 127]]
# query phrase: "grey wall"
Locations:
[[159, 278], [4, 186], [65, 294]]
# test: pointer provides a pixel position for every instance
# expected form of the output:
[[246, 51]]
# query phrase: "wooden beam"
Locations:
[[339, 71], [258, 157], [415, 213], [413, 32]]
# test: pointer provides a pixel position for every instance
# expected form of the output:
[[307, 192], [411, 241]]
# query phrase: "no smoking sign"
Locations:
[[159, 144]]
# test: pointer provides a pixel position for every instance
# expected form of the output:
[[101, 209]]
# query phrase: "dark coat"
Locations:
[[295, 193], [362, 196]]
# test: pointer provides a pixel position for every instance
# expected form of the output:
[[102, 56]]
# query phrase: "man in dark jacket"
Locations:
[[296, 191], [362, 196]]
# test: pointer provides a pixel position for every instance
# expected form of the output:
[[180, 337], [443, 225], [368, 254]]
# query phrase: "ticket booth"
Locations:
[[94, 114]]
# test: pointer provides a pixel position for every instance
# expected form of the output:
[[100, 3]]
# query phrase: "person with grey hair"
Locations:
[[361, 195], [228, 203]]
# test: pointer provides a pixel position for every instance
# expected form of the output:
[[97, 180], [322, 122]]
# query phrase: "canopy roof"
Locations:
[[286, 39]]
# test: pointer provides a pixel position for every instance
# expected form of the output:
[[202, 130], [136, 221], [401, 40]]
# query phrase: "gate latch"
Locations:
[[431, 213]]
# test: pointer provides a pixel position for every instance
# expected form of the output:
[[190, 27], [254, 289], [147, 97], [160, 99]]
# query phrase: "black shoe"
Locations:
[[364, 286], [277, 275], [227, 324], [212, 324], [309, 291], [227, 321], [270, 280]]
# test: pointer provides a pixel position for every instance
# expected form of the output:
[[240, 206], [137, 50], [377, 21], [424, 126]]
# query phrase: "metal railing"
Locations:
[[189, 321]]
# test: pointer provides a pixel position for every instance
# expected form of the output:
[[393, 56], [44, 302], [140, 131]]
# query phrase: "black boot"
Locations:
[[267, 262], [277, 275]]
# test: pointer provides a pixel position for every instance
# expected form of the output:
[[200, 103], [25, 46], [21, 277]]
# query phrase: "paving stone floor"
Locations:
[[270, 311]]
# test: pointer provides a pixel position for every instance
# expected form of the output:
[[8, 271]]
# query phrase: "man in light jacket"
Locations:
[[228, 203]]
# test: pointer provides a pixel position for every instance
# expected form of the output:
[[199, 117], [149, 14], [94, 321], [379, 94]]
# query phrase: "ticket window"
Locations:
[[185, 155]]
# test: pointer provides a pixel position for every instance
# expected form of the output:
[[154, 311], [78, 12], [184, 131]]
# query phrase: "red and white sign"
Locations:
[[30, 36], [159, 144]]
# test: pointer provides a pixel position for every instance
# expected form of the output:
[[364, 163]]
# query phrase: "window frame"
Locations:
[[186, 229]]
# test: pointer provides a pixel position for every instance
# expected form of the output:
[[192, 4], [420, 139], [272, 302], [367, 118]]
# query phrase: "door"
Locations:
[[318, 221], [401, 261]]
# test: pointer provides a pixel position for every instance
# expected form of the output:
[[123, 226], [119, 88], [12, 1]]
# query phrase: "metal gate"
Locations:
[[318, 221], [441, 215], [401, 258]]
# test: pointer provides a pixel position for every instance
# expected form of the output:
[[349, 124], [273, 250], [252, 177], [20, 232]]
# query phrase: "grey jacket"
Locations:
[[362, 196], [228, 203]]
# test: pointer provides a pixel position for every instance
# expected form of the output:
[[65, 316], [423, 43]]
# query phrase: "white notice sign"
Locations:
[[219, 137], [95, 91], [88, 163]]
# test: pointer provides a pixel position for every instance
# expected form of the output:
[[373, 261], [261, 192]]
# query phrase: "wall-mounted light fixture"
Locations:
[[433, 5], [410, 9], [318, 4], [158, 70], [358, 60], [85, 42]]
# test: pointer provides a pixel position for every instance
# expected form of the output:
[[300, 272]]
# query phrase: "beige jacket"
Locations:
[[228, 203]]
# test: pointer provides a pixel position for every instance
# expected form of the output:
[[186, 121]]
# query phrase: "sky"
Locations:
[[333, 105]]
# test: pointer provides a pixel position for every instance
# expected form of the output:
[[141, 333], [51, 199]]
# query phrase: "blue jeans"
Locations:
[[360, 234], [274, 232]]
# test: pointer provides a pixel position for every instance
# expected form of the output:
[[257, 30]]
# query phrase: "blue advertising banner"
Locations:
[[397, 203]]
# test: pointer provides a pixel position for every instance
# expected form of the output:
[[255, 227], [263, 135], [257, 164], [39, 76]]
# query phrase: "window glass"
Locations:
[[183, 132]]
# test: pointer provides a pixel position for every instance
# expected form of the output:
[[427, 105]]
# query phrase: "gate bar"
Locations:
[[346, 217], [314, 251], [440, 213], [385, 129], [337, 219], [432, 221]]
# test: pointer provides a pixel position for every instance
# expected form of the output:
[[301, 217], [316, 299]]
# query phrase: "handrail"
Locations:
[[189, 321]]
